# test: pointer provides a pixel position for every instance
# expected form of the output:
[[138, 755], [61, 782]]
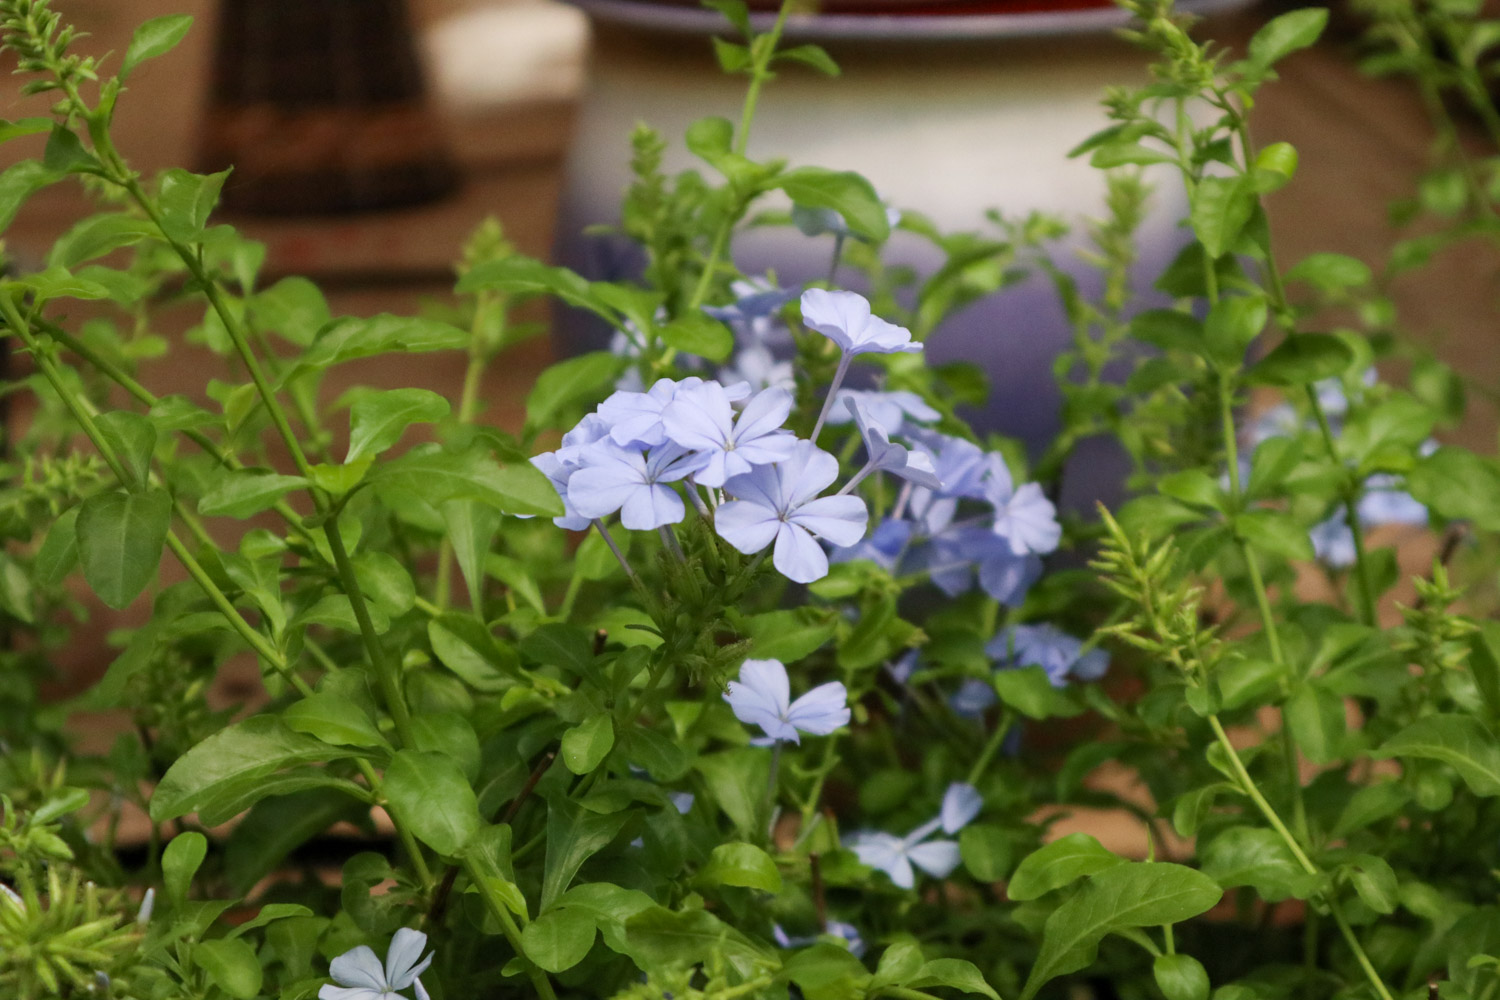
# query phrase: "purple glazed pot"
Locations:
[[948, 115]]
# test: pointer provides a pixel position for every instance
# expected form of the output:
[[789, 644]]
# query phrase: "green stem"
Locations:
[[388, 673], [759, 74], [501, 912], [991, 747]]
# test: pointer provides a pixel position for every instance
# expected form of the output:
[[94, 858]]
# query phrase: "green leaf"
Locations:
[[1232, 323], [738, 779], [471, 530], [233, 763], [120, 538], [710, 139], [811, 55], [351, 338], [449, 734], [438, 476], [1316, 718], [1302, 358], [1283, 35], [1119, 154], [732, 57], [431, 798], [699, 333], [156, 37], [520, 275], [1374, 881], [1274, 532], [332, 719], [58, 283], [468, 649], [1273, 461], [1258, 858], [1193, 486], [1275, 166], [232, 964], [96, 236], [954, 973], [659, 755], [1484, 652], [1368, 806], [573, 836], [558, 644], [847, 193], [660, 938], [1029, 691], [180, 862], [59, 552], [743, 865], [559, 939], [1460, 741], [293, 308], [1331, 272], [583, 379], [1168, 329], [1220, 209], [23, 126], [19, 182], [1131, 895], [377, 420], [240, 493], [1059, 863], [1458, 485], [337, 611], [65, 153], [736, 12], [588, 743], [274, 827], [186, 200], [789, 635], [385, 581], [827, 971], [132, 437], [986, 850], [1180, 977]]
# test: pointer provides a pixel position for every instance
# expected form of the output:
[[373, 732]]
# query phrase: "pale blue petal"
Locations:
[[650, 507], [359, 967], [937, 858], [352, 993], [821, 710], [401, 965], [747, 526], [797, 557], [961, 803], [841, 520]]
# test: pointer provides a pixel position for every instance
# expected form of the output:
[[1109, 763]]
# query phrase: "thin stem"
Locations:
[[833, 389], [614, 548], [991, 747], [388, 673], [501, 912], [764, 49]]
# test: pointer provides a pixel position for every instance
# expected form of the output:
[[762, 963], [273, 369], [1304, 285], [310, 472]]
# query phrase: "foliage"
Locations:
[[549, 782]]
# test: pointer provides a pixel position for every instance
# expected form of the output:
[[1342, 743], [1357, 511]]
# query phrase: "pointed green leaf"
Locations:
[[573, 836], [120, 539], [743, 865], [156, 37], [377, 420], [429, 796], [1460, 741], [1059, 863]]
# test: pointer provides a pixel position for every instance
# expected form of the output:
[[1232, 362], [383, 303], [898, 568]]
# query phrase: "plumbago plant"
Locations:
[[760, 679]]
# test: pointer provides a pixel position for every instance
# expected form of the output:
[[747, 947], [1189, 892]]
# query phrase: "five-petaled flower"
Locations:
[[780, 503], [762, 697], [631, 482], [362, 977], [896, 855], [845, 319], [700, 418]]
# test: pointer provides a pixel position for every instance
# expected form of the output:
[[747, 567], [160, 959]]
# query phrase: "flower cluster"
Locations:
[[896, 855]]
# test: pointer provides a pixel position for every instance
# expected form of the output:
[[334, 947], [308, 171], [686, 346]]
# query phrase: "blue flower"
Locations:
[[558, 474], [845, 319], [888, 410], [1384, 503], [700, 419], [896, 855], [753, 312], [1050, 648], [1332, 541], [780, 503], [758, 367], [633, 482], [762, 697], [634, 418], [973, 698], [847, 933], [362, 977], [1024, 517], [883, 547], [952, 556], [914, 466], [960, 464]]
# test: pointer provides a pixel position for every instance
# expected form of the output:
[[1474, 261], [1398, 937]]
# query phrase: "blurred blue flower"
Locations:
[[848, 933], [700, 419], [780, 503], [758, 367], [883, 547], [363, 978], [1024, 517], [1385, 503], [896, 855], [762, 697], [973, 698], [633, 482], [1050, 648], [888, 410], [1332, 541]]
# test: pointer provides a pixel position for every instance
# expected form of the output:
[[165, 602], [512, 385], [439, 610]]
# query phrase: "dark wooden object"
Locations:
[[320, 106]]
